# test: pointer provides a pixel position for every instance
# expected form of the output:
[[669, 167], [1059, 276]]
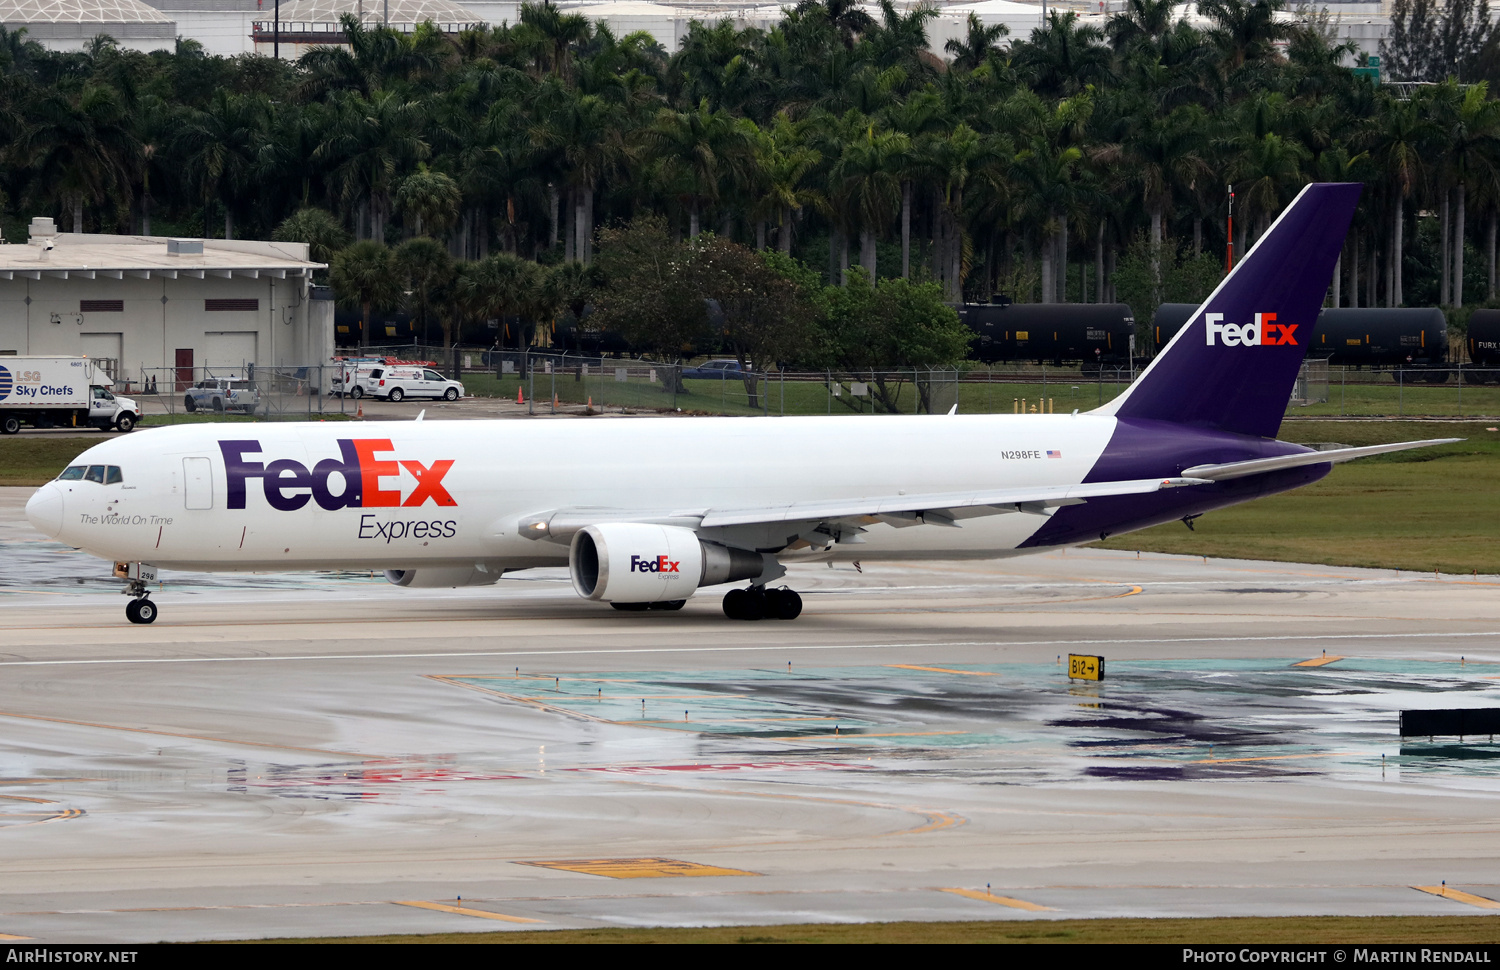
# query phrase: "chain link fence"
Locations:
[[547, 383]]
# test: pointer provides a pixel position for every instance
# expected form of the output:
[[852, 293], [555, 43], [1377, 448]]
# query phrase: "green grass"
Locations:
[[1330, 930], [34, 460], [1435, 508]]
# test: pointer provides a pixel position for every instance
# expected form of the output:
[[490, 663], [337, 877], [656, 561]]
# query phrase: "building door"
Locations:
[[229, 353], [184, 368], [198, 477]]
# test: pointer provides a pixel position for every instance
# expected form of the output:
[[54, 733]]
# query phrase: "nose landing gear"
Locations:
[[140, 610], [137, 576], [760, 603]]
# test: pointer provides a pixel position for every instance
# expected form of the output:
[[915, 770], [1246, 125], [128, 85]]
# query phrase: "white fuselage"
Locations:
[[174, 505]]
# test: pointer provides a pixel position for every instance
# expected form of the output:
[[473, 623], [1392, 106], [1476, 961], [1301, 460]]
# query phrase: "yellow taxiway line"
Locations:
[[1483, 902], [1317, 661], [944, 670], [1000, 900], [465, 911]]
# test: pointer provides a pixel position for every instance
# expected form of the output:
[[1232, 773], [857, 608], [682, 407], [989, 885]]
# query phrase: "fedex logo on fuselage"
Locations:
[[661, 564], [358, 473], [1264, 332]]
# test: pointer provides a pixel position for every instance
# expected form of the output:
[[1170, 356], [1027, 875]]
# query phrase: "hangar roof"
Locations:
[[78, 11], [92, 255], [378, 11]]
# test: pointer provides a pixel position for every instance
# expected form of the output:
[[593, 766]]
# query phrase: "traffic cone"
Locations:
[[554, 402], [520, 398], [359, 411]]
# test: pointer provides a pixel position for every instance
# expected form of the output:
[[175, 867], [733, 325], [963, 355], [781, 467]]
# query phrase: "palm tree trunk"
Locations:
[[146, 227], [570, 234], [1354, 273], [1491, 255], [843, 259], [906, 230], [228, 223], [578, 205], [693, 220], [784, 233], [552, 203], [760, 234], [867, 253], [1197, 236], [1445, 293], [1338, 278], [1049, 255], [1400, 251], [833, 256], [78, 216], [1458, 250], [1099, 263], [1062, 261]]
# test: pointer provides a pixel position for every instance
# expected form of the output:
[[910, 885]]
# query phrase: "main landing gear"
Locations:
[[759, 603]]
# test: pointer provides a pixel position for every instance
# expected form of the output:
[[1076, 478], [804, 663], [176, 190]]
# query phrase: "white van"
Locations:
[[396, 382]]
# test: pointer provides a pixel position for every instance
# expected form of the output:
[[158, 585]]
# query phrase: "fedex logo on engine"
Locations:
[[358, 474], [1264, 332], [661, 564]]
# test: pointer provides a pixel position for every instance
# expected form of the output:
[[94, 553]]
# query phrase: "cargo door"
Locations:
[[198, 483]]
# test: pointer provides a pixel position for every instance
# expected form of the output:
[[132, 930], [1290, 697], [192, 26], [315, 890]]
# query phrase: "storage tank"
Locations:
[[1098, 334]]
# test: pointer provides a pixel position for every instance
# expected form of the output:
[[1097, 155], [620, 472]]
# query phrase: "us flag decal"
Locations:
[[1054, 454]]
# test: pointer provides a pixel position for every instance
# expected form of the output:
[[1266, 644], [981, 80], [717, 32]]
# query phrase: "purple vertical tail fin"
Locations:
[[1232, 367]]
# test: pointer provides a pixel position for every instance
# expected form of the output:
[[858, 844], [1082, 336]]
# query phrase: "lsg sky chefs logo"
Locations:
[[1264, 332], [358, 475]]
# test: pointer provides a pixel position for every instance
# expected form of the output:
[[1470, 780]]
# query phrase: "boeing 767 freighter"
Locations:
[[645, 512]]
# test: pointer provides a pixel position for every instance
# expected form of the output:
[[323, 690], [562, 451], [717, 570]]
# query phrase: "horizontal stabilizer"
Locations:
[[1239, 469]]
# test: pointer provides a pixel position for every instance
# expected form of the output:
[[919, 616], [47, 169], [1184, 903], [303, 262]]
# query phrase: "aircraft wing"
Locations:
[[931, 508], [1239, 469]]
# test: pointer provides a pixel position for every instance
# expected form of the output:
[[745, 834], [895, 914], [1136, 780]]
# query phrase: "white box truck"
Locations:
[[61, 392]]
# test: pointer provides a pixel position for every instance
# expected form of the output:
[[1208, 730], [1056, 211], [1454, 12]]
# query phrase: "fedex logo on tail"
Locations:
[[1264, 332], [358, 478]]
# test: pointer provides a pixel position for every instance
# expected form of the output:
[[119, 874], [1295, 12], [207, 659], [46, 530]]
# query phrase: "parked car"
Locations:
[[220, 394], [398, 382], [715, 370]]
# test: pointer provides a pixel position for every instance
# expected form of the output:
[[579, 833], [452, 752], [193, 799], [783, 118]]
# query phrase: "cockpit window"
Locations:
[[94, 474], [112, 475], [72, 473]]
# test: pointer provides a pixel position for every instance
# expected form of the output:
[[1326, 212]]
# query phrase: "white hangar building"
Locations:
[[147, 303]]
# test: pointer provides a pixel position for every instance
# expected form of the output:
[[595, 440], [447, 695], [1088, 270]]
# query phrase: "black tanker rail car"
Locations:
[[1484, 342], [1095, 334], [1399, 337], [1168, 319]]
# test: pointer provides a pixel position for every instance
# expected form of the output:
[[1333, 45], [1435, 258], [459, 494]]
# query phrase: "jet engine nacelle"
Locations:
[[630, 562], [442, 577]]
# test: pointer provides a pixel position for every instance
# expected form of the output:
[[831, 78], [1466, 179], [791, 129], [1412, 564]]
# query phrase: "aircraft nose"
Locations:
[[45, 510]]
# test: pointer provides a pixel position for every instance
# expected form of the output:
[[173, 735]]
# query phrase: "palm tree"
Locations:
[[979, 44], [319, 228], [77, 149], [364, 277], [370, 144], [425, 268], [867, 185], [1471, 123], [698, 154], [219, 149], [431, 198]]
